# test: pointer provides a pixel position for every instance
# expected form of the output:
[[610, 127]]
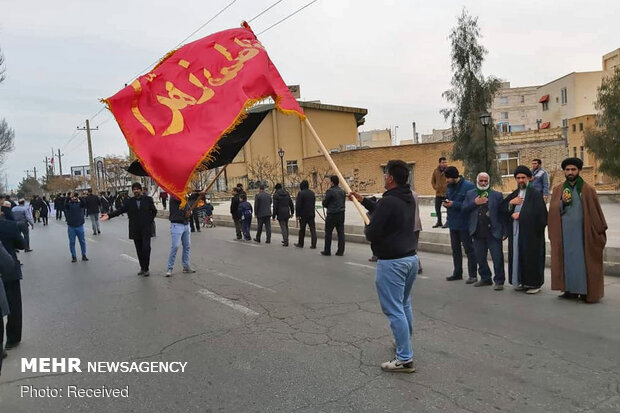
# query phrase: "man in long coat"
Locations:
[[577, 234], [526, 234], [141, 211]]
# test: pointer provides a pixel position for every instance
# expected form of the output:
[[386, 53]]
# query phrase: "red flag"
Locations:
[[173, 116]]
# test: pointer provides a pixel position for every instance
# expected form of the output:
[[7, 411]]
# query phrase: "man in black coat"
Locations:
[[12, 240], [234, 211], [141, 211], [262, 212], [7, 264], [334, 201], [305, 212], [93, 207], [283, 210]]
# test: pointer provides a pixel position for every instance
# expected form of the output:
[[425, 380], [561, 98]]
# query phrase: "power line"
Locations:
[[264, 11], [287, 17], [98, 112], [182, 41]]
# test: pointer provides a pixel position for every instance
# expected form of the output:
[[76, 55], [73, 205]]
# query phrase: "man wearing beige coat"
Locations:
[[438, 181]]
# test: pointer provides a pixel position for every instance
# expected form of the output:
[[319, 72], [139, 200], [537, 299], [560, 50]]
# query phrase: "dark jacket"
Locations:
[[334, 200], [45, 207], [457, 219], [283, 207], [304, 204], [392, 220], [74, 213], [59, 202], [245, 210], [92, 204], [12, 240], [262, 205], [140, 219], [234, 206], [177, 215], [8, 214], [7, 265], [497, 214]]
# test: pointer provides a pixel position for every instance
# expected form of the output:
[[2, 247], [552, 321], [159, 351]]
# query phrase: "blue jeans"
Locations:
[[179, 233], [79, 232], [394, 281], [494, 246]]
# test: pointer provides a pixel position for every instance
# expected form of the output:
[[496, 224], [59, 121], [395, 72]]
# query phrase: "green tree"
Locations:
[[471, 94], [28, 187], [604, 141]]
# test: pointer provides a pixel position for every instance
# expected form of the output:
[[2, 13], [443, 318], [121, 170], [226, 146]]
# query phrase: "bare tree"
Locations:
[[116, 176], [263, 171], [2, 69], [7, 135]]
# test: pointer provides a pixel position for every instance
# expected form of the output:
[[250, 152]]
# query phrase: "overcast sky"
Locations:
[[391, 57]]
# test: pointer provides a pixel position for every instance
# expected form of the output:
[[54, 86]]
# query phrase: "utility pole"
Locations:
[[47, 167], [60, 161], [93, 182], [27, 173], [35, 172]]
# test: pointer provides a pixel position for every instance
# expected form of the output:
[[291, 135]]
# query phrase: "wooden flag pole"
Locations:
[[345, 184]]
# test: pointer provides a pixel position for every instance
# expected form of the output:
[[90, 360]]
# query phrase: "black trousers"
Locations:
[[163, 202], [438, 202], [143, 249], [237, 222], [260, 221], [302, 231], [14, 320], [59, 214], [334, 221], [194, 221]]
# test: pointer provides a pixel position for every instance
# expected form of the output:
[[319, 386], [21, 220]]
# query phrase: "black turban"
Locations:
[[522, 169], [572, 161], [451, 172]]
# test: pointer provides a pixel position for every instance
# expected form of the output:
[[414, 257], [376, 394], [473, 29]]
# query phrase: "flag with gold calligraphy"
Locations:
[[174, 116]]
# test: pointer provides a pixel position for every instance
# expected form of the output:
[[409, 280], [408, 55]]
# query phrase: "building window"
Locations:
[[88, 172], [507, 162], [503, 127], [581, 153], [565, 128], [574, 127], [503, 100], [77, 173], [503, 115], [522, 99], [564, 96], [580, 127], [574, 151], [522, 114], [291, 167], [545, 105]]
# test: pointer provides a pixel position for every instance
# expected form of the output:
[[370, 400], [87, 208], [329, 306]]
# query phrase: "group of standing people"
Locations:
[[280, 207], [480, 219]]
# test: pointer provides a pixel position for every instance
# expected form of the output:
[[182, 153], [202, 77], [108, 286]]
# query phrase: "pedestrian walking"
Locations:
[[104, 203], [45, 210], [334, 202], [459, 225], [93, 208], [262, 212], [23, 217], [245, 212], [540, 179], [12, 240], [179, 235], [393, 241], [75, 225], [234, 211], [487, 227], [59, 205], [439, 184], [6, 210], [141, 211], [526, 234], [305, 212], [7, 265], [577, 229], [163, 197], [283, 210], [196, 202]]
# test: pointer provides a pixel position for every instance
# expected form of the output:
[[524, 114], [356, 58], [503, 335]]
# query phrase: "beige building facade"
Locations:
[[438, 135], [514, 109], [336, 126], [611, 60], [375, 138]]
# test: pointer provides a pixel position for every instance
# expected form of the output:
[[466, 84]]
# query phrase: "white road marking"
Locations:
[[226, 301], [125, 241], [423, 277], [221, 274], [361, 265], [92, 240], [130, 258], [244, 243]]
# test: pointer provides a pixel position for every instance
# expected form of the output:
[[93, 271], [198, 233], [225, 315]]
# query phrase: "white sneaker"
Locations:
[[169, 272], [397, 366], [533, 291]]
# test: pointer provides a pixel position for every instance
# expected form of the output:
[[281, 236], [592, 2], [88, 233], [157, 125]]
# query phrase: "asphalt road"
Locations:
[[264, 328]]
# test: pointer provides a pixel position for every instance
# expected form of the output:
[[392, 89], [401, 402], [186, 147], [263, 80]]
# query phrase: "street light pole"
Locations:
[[281, 154], [485, 119]]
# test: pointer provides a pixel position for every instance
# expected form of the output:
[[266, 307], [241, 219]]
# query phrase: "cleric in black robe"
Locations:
[[526, 234]]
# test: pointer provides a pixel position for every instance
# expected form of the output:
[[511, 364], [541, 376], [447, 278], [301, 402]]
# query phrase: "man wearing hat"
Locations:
[[458, 222], [526, 234], [577, 234]]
